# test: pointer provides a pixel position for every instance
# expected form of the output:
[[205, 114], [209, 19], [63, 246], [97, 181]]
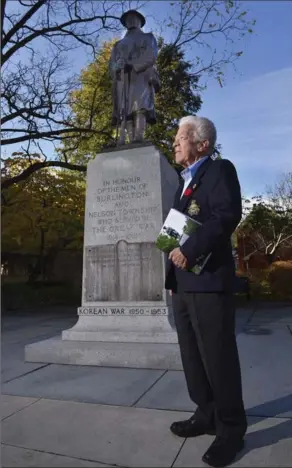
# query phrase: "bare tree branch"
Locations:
[[36, 91], [36, 167], [21, 23], [37, 86], [36, 136], [213, 25], [48, 32], [3, 6], [268, 224]]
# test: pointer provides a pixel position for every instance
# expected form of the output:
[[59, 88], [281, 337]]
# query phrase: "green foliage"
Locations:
[[93, 101], [178, 96], [42, 214], [280, 279], [259, 284], [166, 243], [39, 104], [268, 224], [16, 296], [234, 241], [262, 219], [272, 283], [189, 227], [92, 105], [50, 202]]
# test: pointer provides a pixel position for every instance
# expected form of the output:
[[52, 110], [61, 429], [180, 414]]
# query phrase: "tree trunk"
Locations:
[[38, 268], [50, 257]]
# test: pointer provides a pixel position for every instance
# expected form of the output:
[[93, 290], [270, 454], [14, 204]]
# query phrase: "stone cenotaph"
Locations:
[[125, 319]]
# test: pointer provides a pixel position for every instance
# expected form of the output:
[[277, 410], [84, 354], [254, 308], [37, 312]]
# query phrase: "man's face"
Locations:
[[133, 21], [184, 146]]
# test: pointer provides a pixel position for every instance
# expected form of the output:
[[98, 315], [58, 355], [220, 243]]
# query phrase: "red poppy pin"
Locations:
[[188, 192]]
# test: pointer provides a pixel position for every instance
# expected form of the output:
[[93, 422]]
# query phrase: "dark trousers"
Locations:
[[205, 325]]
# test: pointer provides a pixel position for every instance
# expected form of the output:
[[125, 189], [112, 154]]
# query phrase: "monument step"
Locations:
[[105, 354], [120, 336]]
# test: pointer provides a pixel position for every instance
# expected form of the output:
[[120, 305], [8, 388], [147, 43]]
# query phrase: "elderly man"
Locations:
[[135, 78], [203, 305]]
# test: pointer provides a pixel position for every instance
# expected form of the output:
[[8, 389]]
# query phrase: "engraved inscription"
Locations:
[[123, 272], [122, 311], [122, 208]]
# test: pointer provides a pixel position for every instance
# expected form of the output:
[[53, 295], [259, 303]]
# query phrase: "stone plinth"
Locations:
[[96, 353], [129, 194]]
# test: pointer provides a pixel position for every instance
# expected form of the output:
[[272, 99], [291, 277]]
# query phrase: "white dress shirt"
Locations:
[[188, 173]]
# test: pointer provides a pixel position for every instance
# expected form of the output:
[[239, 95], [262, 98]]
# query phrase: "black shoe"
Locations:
[[191, 428], [223, 451]]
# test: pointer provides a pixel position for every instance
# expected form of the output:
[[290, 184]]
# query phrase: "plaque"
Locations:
[[123, 272]]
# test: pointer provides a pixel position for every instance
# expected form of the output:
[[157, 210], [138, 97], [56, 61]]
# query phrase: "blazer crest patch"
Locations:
[[194, 208]]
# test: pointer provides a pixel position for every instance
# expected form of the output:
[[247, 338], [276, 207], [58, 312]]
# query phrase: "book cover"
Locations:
[[177, 228]]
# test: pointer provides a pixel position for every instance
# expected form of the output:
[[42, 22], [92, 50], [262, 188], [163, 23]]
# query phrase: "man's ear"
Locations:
[[203, 146]]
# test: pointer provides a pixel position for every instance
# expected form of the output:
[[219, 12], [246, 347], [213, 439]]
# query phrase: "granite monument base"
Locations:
[[126, 317], [127, 323], [96, 353]]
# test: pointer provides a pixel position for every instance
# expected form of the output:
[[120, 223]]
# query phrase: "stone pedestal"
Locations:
[[129, 194]]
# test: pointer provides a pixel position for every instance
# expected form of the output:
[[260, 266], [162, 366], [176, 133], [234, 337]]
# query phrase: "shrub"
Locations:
[[280, 279], [258, 281], [17, 296]]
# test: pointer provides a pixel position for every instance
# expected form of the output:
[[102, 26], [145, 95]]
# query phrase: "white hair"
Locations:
[[203, 129]]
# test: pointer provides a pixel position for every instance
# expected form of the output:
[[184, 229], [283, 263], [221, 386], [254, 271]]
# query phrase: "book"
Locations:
[[176, 230]]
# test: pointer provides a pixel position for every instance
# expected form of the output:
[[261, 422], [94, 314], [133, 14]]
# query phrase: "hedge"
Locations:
[[280, 279]]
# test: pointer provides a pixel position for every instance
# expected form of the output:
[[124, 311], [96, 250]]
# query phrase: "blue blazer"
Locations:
[[214, 199]]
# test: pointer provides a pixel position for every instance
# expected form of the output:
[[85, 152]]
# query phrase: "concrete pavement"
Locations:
[[56, 415]]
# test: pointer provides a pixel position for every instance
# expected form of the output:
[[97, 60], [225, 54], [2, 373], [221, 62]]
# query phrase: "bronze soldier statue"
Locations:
[[135, 79]]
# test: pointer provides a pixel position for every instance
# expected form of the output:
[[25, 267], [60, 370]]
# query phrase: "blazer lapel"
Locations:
[[195, 182], [178, 194]]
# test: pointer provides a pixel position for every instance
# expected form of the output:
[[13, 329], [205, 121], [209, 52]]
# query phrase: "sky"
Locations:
[[253, 110]]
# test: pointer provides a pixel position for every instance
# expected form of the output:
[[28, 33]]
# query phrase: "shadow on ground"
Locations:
[[269, 435]]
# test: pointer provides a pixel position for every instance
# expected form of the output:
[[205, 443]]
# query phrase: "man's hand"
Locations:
[[178, 258]]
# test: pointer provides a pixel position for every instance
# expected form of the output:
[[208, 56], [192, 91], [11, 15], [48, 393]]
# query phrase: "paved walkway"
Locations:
[[55, 415]]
